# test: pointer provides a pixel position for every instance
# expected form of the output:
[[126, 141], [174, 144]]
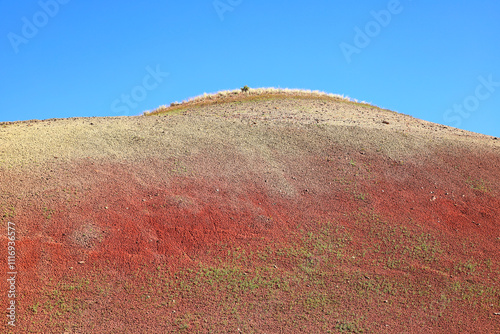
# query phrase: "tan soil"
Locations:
[[343, 218]]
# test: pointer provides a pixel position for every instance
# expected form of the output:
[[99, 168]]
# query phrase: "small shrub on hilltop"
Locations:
[[245, 89]]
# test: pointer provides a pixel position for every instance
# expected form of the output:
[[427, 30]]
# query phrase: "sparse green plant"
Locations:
[[361, 196], [488, 262], [34, 308], [48, 212], [10, 212], [393, 263], [348, 327], [245, 89], [478, 184], [468, 267]]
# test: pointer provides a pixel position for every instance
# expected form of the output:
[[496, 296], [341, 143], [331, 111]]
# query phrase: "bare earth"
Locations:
[[276, 214]]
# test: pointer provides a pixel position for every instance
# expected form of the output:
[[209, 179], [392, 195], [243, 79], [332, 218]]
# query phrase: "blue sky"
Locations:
[[434, 60]]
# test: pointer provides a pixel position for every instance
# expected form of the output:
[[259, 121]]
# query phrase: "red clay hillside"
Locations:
[[263, 211]]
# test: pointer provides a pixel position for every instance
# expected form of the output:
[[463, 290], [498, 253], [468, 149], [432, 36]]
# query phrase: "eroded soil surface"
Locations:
[[275, 215]]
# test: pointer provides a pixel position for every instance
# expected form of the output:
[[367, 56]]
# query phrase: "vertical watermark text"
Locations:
[[11, 273]]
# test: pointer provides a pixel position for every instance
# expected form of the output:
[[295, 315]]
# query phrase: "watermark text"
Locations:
[[372, 29], [484, 90], [30, 28], [223, 6], [11, 273], [139, 93]]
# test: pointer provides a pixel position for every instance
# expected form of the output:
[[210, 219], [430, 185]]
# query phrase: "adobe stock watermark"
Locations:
[[11, 274], [484, 90], [222, 6], [139, 93], [373, 28], [30, 28]]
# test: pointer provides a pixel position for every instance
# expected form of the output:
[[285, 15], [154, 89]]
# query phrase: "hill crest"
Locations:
[[266, 215]]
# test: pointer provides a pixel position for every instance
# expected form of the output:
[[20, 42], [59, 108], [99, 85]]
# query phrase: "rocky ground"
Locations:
[[275, 214]]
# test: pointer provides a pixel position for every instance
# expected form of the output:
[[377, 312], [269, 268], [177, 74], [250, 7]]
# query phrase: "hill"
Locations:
[[256, 212]]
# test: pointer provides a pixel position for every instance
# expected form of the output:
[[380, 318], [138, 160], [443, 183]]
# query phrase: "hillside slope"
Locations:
[[270, 214]]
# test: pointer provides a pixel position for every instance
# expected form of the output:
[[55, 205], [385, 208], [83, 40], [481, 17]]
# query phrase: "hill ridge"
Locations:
[[273, 215]]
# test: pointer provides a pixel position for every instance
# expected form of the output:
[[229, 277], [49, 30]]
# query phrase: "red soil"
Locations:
[[337, 237]]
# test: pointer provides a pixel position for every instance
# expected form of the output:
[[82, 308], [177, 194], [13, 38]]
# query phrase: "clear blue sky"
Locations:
[[434, 60]]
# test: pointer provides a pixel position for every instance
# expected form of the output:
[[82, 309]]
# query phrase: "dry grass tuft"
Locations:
[[249, 94]]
